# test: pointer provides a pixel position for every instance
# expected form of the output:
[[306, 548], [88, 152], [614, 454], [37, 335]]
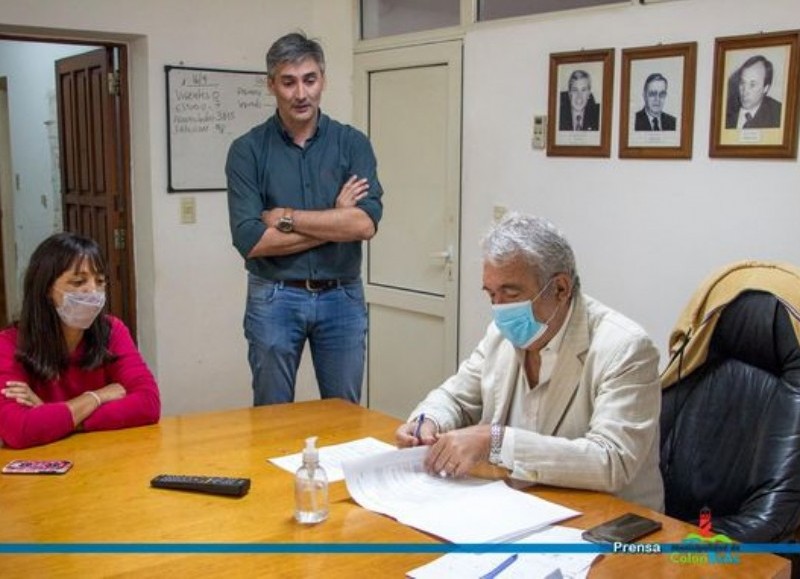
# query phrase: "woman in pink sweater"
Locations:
[[67, 366]]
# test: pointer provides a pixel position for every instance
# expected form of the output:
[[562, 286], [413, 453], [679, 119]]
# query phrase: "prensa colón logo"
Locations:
[[721, 550]]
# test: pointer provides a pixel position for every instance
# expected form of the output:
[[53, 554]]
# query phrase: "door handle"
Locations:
[[446, 255]]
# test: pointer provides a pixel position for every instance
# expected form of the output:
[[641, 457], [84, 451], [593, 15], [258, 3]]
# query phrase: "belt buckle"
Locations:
[[312, 287]]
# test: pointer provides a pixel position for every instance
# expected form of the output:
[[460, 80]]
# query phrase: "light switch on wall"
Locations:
[[539, 140], [188, 210]]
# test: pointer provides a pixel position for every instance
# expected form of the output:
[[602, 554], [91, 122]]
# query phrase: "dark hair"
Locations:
[[293, 48], [41, 346], [753, 60], [653, 77]]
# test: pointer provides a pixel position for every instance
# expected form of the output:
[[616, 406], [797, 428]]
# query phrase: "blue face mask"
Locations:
[[517, 323]]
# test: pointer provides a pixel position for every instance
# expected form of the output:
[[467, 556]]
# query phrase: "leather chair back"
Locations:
[[730, 431]]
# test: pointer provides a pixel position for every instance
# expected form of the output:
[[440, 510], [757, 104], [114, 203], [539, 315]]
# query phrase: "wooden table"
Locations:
[[106, 498]]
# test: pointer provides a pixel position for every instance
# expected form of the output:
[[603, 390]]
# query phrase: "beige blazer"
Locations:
[[602, 429]]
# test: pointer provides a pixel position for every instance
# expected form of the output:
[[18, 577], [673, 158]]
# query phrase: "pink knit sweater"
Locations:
[[22, 426]]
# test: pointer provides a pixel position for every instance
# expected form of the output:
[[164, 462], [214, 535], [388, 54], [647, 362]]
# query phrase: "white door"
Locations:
[[408, 101]]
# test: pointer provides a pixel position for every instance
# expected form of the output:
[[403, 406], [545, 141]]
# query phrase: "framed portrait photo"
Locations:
[[579, 103], [657, 101], [754, 101]]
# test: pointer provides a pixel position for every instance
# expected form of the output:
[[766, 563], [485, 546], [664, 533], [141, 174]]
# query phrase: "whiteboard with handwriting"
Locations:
[[206, 110]]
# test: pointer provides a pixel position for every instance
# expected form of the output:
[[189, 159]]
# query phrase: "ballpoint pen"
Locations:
[[418, 429], [500, 568]]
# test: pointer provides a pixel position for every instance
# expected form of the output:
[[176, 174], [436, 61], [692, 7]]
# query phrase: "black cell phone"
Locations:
[[624, 529]]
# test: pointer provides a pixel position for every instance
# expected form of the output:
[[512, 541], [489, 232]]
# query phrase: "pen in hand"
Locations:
[[418, 429]]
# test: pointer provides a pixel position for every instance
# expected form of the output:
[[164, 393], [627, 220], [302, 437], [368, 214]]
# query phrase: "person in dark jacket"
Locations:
[[652, 116], [578, 110], [749, 105]]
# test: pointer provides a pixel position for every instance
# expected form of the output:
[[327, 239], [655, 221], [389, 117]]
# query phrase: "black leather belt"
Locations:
[[314, 285]]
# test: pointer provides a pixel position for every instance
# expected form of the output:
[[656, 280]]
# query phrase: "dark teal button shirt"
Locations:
[[266, 169]]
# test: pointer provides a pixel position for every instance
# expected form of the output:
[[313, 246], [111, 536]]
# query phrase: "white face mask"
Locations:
[[79, 309]]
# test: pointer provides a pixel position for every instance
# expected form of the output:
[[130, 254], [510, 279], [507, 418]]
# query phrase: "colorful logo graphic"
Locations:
[[705, 522], [706, 534], [722, 549]]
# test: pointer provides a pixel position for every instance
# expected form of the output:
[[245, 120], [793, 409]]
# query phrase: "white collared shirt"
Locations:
[[743, 116], [650, 118], [582, 116], [527, 401]]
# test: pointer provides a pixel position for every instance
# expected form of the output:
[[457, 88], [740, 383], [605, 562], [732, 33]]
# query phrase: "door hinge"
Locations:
[[113, 83], [119, 238]]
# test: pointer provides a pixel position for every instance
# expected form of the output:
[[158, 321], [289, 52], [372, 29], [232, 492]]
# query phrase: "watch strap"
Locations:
[[495, 442]]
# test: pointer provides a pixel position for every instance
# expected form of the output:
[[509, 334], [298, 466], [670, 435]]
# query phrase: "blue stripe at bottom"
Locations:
[[383, 548]]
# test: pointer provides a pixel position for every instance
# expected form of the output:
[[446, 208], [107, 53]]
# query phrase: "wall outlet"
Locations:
[[499, 211]]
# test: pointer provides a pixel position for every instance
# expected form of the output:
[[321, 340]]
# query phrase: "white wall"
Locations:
[[645, 232], [190, 280]]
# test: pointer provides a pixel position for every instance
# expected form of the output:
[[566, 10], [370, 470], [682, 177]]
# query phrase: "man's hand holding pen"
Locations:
[[453, 453], [418, 431]]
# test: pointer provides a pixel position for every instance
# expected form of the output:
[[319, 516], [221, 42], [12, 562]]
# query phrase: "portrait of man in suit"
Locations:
[[652, 116], [578, 110], [749, 106]]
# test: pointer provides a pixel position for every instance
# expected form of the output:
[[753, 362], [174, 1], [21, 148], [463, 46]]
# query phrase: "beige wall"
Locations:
[[191, 282], [646, 232]]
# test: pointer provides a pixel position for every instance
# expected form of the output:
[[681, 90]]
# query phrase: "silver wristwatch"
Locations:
[[286, 222], [495, 442]]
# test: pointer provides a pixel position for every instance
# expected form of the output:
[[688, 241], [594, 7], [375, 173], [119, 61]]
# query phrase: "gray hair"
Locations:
[[578, 75], [534, 239], [293, 48], [654, 77]]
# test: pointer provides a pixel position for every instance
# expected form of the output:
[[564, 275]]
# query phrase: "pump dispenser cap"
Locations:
[[310, 453]]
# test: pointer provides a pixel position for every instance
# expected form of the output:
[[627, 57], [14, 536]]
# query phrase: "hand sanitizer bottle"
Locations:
[[310, 487]]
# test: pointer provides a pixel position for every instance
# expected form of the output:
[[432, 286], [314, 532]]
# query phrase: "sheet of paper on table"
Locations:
[[331, 456], [525, 566], [461, 510]]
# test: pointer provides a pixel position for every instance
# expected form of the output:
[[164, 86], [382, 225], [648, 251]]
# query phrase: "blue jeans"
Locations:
[[278, 320]]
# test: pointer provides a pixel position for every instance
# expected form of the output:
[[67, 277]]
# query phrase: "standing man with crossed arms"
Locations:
[[303, 193]]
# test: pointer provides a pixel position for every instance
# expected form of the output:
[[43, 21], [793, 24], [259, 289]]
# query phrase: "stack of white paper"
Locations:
[[463, 510], [523, 565]]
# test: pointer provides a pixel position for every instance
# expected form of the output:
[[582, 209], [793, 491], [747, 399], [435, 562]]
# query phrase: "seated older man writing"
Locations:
[[561, 390]]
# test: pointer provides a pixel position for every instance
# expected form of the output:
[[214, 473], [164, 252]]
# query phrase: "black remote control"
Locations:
[[218, 485]]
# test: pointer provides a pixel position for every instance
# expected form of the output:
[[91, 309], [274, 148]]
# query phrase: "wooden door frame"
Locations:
[[124, 151], [124, 172]]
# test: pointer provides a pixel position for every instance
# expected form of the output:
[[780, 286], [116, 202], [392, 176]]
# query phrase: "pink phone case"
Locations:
[[37, 467]]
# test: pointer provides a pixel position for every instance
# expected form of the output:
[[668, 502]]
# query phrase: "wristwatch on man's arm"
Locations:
[[286, 222], [496, 442]]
